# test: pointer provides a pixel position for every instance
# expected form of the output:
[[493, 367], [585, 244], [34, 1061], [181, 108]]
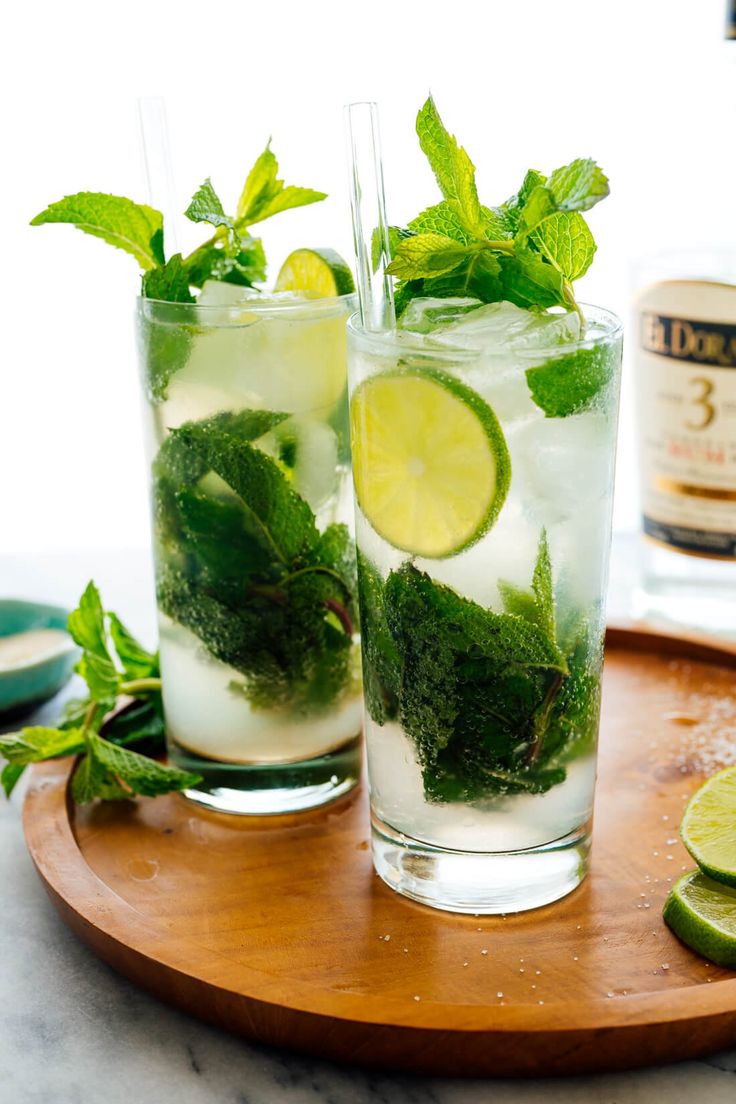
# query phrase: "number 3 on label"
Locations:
[[708, 410]]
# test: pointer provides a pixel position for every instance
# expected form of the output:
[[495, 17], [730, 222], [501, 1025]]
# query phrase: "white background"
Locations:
[[644, 86]]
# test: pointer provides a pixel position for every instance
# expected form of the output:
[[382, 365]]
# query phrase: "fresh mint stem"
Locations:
[[140, 686], [342, 615], [541, 721]]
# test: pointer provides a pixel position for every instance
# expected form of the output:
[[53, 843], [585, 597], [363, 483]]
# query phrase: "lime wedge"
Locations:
[[708, 827], [322, 272], [703, 915], [431, 464]]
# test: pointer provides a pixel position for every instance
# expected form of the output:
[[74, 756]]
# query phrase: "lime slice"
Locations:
[[708, 827], [430, 461], [703, 915], [322, 272]]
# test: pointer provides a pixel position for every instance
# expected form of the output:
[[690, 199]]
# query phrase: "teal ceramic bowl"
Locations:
[[32, 682]]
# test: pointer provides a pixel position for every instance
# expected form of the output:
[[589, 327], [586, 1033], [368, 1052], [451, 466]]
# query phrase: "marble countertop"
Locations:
[[74, 1032]]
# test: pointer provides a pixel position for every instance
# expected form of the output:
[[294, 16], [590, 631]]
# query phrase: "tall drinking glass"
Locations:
[[248, 442], [483, 455]]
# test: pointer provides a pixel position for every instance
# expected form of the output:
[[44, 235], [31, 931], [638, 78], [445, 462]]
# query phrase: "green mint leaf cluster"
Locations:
[[231, 254], [529, 250], [242, 565], [491, 701], [122, 707]]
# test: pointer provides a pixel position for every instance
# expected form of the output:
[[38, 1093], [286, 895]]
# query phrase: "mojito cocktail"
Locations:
[[254, 564], [247, 424], [483, 437]]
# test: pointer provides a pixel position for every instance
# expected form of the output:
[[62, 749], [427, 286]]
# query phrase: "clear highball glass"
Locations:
[[482, 662], [246, 416]]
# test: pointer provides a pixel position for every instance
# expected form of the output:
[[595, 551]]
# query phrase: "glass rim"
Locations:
[[220, 314], [394, 340]]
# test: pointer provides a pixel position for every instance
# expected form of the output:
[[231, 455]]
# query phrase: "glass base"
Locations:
[[480, 883], [271, 789]]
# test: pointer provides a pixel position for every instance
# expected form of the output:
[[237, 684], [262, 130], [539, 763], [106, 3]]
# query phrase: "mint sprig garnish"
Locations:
[[528, 250], [231, 254], [494, 703], [122, 707], [246, 569]]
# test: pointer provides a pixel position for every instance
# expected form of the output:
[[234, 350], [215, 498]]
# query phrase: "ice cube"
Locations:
[[217, 293], [308, 449], [424, 315], [291, 362], [504, 327], [562, 466], [507, 552]]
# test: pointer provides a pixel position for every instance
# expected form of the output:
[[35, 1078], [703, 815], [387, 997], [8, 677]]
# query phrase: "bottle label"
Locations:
[[731, 19], [686, 400]]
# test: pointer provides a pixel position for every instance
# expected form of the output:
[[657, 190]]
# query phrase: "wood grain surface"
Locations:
[[278, 928]]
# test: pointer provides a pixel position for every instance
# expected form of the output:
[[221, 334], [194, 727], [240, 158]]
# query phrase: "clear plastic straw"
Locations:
[[157, 164], [370, 226]]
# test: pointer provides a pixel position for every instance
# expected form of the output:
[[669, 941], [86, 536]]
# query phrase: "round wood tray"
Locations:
[[279, 930]]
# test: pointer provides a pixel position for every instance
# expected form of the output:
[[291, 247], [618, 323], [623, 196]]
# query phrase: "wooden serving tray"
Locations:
[[279, 930]]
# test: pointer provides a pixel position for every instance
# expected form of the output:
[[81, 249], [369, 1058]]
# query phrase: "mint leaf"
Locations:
[[136, 661], [479, 276], [451, 165], [205, 206], [426, 255], [10, 776], [164, 350], [169, 282], [571, 383], [86, 626], [496, 224], [509, 213], [579, 185], [90, 780], [539, 205], [284, 520], [135, 772], [529, 281], [87, 623], [382, 665], [222, 536], [565, 240], [139, 722], [243, 264], [536, 606], [544, 594], [130, 226], [33, 745], [475, 688], [265, 195], [444, 218]]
